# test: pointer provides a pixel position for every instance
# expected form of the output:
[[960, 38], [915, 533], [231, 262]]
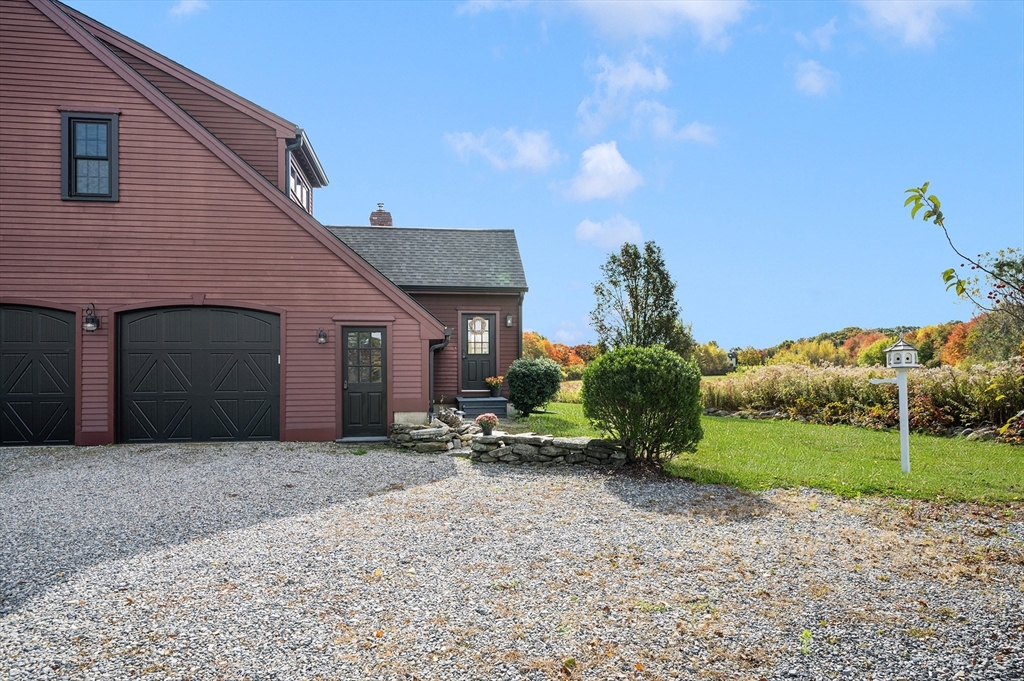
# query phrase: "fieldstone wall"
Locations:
[[435, 437], [544, 450], [466, 439]]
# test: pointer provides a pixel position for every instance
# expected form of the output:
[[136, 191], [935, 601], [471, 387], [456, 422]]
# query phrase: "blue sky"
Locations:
[[764, 146]]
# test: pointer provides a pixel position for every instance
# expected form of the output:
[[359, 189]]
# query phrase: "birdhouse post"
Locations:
[[901, 356]]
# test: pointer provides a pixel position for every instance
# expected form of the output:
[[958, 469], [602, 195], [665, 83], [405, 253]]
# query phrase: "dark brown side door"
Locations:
[[198, 374], [478, 350], [364, 381], [37, 376]]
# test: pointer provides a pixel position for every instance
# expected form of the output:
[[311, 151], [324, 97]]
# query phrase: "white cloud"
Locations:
[[603, 174], [814, 79], [820, 37], [478, 6], [184, 8], [615, 84], [709, 19], [661, 120], [916, 22], [610, 234], [660, 18], [527, 150]]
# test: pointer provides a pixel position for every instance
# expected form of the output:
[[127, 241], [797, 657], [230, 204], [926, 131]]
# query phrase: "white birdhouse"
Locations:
[[901, 355]]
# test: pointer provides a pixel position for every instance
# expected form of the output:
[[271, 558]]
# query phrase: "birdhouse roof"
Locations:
[[900, 345]]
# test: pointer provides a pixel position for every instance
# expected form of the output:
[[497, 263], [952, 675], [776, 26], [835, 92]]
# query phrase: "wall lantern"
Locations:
[[321, 337], [508, 320], [91, 322], [901, 356]]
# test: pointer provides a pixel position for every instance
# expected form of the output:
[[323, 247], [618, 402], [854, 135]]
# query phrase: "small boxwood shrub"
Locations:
[[647, 398], [532, 383]]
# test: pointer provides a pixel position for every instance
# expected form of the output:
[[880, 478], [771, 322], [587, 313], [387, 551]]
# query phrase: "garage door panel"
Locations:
[[260, 424], [37, 375], [223, 327], [179, 419], [144, 329], [53, 329], [16, 378], [229, 357]]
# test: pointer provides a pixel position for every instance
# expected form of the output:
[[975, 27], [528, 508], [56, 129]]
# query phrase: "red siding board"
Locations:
[[250, 139], [186, 224], [445, 306]]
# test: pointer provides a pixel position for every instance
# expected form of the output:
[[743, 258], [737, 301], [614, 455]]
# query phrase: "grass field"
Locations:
[[758, 455]]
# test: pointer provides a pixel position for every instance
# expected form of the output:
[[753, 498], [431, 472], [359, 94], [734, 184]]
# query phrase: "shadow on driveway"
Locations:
[[63, 509], [658, 493]]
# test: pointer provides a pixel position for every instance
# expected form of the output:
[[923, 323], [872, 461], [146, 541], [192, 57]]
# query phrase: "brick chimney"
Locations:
[[380, 217]]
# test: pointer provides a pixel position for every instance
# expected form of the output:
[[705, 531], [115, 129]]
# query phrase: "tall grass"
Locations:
[[943, 397]]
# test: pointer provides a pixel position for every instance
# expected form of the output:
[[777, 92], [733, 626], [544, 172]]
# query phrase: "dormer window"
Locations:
[[298, 188]]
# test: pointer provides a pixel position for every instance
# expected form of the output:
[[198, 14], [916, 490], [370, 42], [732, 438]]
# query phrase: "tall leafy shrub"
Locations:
[[647, 398], [532, 383]]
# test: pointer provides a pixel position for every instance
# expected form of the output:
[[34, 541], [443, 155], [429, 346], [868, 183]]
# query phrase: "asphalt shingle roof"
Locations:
[[417, 258]]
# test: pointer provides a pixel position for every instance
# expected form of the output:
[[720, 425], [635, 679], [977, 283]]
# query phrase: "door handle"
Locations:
[[344, 385]]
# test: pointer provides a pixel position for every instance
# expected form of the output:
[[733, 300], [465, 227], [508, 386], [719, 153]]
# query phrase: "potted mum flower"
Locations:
[[494, 382], [487, 422]]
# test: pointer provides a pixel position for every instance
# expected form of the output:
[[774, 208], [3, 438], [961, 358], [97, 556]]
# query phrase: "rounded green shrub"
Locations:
[[532, 383], [647, 398]]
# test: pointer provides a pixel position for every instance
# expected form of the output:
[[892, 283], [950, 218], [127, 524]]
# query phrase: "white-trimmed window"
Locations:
[[298, 188]]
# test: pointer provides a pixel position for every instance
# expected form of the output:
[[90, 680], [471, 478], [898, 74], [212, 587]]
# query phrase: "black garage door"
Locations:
[[198, 373], [37, 376]]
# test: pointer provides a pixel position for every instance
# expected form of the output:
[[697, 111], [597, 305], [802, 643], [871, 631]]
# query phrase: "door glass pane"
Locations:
[[478, 336], [353, 339], [364, 357], [364, 339], [353, 374], [353, 357], [375, 357], [375, 375], [376, 338], [364, 374]]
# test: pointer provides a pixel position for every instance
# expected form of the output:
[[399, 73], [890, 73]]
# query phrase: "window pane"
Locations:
[[364, 357], [364, 374], [353, 374], [375, 375], [375, 357], [353, 339], [364, 339], [92, 177], [376, 338], [353, 357], [91, 139]]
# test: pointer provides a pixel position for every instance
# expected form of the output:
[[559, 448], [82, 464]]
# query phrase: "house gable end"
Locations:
[[430, 327]]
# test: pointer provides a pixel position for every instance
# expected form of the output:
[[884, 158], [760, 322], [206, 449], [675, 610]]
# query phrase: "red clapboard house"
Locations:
[[162, 276]]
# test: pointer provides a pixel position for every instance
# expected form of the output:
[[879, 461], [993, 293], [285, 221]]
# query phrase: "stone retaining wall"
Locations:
[[499, 447]]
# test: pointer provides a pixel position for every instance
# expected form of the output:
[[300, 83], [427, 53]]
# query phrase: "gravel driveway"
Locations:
[[298, 561]]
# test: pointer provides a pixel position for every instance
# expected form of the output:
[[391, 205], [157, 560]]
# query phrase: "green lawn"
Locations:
[[758, 455]]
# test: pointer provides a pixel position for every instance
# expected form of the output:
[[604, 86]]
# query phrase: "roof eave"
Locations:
[[310, 163], [463, 289]]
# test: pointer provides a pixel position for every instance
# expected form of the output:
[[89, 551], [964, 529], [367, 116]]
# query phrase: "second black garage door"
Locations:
[[198, 373]]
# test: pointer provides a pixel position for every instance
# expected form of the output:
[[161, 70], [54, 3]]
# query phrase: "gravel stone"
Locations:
[[285, 561]]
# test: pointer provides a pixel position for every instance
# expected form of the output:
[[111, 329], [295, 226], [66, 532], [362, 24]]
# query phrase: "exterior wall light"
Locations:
[[321, 337], [508, 320], [91, 322], [901, 356]]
